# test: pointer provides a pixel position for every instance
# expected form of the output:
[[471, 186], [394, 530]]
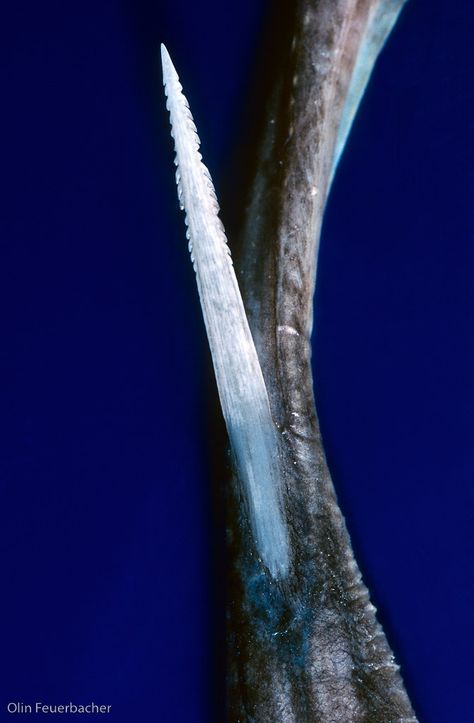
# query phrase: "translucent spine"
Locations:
[[240, 383]]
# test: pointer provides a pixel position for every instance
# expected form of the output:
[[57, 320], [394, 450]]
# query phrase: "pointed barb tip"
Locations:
[[168, 69]]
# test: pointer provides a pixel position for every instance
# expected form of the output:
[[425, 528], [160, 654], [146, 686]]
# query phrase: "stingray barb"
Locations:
[[303, 640]]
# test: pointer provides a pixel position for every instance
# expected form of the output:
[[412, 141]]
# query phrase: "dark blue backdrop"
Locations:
[[105, 505]]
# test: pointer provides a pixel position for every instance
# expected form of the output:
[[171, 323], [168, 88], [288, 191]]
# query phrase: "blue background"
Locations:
[[108, 591]]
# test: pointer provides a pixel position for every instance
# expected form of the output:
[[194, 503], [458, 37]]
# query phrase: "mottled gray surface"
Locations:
[[309, 649]]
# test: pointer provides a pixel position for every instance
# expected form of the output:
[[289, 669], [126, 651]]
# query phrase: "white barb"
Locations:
[[242, 390]]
